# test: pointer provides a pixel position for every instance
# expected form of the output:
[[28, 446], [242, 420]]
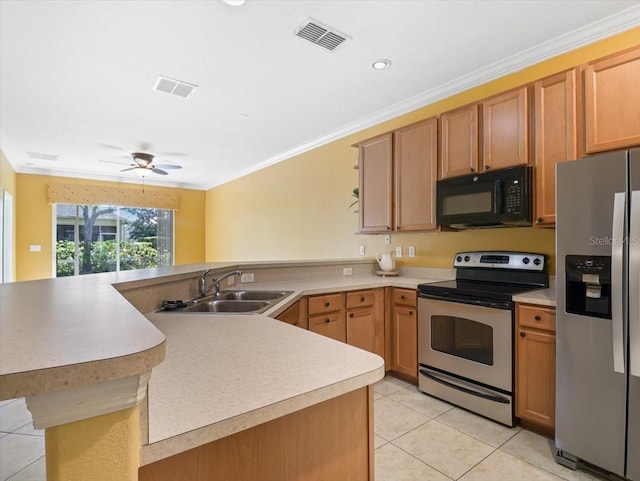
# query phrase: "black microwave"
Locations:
[[496, 198]]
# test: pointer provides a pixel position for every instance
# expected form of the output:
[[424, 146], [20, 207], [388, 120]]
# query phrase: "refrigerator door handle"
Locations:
[[634, 285], [616, 282]]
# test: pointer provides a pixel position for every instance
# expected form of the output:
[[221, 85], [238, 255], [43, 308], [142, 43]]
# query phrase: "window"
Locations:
[[101, 238]]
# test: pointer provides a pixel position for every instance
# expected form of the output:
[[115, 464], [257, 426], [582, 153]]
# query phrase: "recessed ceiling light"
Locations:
[[234, 3], [381, 64]]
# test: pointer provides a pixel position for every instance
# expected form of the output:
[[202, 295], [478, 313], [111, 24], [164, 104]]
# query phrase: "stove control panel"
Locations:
[[501, 260]]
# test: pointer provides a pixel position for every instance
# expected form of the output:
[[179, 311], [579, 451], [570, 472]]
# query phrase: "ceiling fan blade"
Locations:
[[114, 147], [168, 166], [130, 168], [159, 171]]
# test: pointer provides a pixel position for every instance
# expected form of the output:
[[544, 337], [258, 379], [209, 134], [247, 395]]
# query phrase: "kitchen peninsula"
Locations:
[[227, 381]]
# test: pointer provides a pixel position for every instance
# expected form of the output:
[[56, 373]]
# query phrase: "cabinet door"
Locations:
[[416, 171], [612, 102], [505, 127], [330, 325], [459, 137], [405, 341], [375, 169], [294, 314], [361, 328], [556, 138], [535, 376]]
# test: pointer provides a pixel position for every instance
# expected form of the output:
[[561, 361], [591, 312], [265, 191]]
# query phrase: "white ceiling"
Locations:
[[76, 77]]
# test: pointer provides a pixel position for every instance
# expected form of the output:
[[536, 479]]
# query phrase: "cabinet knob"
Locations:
[[402, 297], [351, 314], [522, 334], [411, 313], [362, 299], [472, 169], [487, 167], [388, 228], [537, 318], [539, 220], [327, 304], [327, 320]]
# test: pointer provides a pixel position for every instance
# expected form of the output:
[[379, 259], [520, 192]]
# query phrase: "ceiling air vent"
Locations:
[[175, 87], [321, 35]]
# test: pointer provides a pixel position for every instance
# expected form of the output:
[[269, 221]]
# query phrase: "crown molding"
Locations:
[[606, 27]]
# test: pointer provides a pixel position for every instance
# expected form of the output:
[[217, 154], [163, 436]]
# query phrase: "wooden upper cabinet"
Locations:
[[505, 129], [555, 138], [375, 169], [459, 137], [612, 102], [416, 171]]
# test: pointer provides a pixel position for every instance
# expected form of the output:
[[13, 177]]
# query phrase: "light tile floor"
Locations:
[[417, 438], [422, 438]]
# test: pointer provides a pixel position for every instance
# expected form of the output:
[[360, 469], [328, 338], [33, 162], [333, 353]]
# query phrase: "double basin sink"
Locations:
[[232, 302]]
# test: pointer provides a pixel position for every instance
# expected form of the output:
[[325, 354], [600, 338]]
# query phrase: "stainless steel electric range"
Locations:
[[466, 326]]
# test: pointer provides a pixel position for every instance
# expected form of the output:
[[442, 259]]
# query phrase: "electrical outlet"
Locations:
[[347, 271], [246, 278], [412, 251], [398, 251], [361, 250], [387, 239]]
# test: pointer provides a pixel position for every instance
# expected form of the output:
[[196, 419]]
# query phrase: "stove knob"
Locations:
[[467, 258], [525, 261], [537, 261], [459, 258]]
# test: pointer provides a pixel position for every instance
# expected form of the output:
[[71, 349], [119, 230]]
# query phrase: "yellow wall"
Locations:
[[35, 224], [8, 183], [298, 208]]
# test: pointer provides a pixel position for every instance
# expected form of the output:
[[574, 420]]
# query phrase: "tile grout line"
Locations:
[[18, 472]]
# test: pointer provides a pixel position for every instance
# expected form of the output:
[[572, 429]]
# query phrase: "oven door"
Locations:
[[473, 342]]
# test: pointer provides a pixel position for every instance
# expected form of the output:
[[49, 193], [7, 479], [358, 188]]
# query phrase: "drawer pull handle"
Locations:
[[522, 334], [537, 318]]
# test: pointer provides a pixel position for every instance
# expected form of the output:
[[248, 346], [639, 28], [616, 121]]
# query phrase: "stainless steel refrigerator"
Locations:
[[598, 312]]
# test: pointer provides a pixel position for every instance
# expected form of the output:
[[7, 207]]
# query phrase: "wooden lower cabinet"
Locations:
[[295, 314], [536, 365], [333, 440], [365, 320], [327, 316], [404, 334]]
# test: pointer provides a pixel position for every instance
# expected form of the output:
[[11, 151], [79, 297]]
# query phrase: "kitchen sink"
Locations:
[[228, 302], [226, 306], [253, 295]]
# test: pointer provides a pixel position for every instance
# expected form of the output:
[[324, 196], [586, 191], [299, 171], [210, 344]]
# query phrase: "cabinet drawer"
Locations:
[[537, 317], [329, 325], [405, 297], [360, 299], [326, 303]]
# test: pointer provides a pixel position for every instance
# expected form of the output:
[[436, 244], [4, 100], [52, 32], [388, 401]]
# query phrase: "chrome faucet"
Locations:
[[204, 290]]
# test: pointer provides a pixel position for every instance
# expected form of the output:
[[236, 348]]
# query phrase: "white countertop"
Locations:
[[541, 297], [250, 369]]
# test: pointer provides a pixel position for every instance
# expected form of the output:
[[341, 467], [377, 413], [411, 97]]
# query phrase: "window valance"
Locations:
[[72, 193]]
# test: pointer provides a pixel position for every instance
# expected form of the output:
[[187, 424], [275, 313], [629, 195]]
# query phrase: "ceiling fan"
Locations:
[[143, 164]]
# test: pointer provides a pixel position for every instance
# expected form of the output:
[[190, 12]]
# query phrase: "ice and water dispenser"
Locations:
[[588, 285]]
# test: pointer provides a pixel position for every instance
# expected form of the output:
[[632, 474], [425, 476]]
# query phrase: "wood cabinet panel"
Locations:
[[416, 172], [505, 129], [326, 441], [612, 102], [325, 303], [376, 197], [556, 138], [459, 141], [295, 315], [331, 325], [365, 320], [404, 297], [405, 341], [535, 365]]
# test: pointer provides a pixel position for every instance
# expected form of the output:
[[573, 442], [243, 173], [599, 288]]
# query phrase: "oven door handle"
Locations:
[[483, 395], [506, 305]]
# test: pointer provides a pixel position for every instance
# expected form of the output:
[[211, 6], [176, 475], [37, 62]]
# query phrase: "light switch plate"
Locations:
[[398, 251], [412, 251]]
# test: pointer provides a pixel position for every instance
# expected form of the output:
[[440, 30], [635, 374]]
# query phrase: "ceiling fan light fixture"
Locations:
[[234, 3], [381, 64], [142, 171]]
